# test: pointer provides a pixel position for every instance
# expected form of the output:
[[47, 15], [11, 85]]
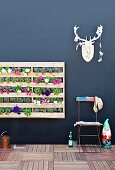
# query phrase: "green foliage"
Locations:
[[27, 111], [38, 90], [7, 111], [28, 100], [18, 88], [1, 79], [20, 100], [56, 91], [51, 70], [36, 69], [7, 80], [29, 89], [59, 109], [50, 110], [57, 69], [6, 99], [15, 79], [27, 79], [13, 100], [1, 110], [1, 99], [21, 79], [43, 70]]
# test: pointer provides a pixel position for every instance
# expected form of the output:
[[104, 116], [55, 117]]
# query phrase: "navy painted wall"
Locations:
[[40, 30]]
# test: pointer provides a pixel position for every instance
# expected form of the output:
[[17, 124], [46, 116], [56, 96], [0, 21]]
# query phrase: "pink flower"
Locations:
[[7, 92], [25, 90], [40, 78], [58, 81], [54, 82]]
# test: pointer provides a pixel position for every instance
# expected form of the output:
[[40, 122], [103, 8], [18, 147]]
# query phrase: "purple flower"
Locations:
[[16, 109], [43, 92], [47, 92]]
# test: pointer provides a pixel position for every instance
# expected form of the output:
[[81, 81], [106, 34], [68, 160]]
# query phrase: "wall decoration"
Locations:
[[88, 45], [32, 90]]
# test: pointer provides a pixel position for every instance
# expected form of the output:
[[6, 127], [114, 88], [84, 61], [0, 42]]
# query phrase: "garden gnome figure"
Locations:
[[106, 135]]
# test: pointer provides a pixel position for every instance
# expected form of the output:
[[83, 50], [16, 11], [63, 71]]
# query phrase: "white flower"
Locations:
[[27, 70], [9, 70], [34, 101], [46, 80], [25, 74], [3, 70], [18, 91], [55, 102], [38, 102]]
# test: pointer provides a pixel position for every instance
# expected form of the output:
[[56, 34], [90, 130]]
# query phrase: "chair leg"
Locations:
[[98, 134], [79, 134]]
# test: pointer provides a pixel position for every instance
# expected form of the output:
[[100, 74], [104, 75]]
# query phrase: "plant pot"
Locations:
[[5, 142]]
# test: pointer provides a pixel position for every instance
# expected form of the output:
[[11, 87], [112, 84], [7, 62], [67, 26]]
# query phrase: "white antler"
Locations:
[[76, 35], [98, 32]]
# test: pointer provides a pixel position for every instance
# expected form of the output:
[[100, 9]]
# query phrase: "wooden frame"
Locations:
[[33, 75]]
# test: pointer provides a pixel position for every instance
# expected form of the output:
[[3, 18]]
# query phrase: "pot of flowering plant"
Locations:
[[2, 89], [50, 70], [21, 79], [1, 80], [28, 100], [7, 79], [60, 110], [17, 110], [36, 70], [38, 100], [57, 69], [38, 90], [56, 81], [3, 70], [36, 80], [16, 70], [8, 69], [26, 71], [7, 111], [15, 79], [56, 91], [28, 90], [46, 80], [7, 89], [27, 79], [1, 110], [27, 111], [6, 99], [13, 100], [55, 100], [50, 110], [1, 99], [43, 70], [18, 89], [20, 100]]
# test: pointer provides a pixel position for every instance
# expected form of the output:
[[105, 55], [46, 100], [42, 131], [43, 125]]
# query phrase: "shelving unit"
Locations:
[[49, 108]]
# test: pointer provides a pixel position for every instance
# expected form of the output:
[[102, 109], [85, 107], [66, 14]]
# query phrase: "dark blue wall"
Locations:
[[40, 30]]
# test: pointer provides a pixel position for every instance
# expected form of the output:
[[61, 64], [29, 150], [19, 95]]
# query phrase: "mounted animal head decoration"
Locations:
[[88, 45]]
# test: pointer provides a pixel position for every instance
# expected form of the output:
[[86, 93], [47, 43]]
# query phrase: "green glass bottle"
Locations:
[[70, 142]]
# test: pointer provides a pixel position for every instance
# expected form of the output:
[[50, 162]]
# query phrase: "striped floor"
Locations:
[[57, 157]]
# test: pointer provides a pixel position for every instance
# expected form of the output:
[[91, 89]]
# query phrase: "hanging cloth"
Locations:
[[98, 104]]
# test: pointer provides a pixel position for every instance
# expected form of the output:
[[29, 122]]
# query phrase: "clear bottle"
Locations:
[[70, 142]]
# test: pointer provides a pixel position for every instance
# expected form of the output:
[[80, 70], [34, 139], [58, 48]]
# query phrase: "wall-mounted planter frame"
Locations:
[[37, 88]]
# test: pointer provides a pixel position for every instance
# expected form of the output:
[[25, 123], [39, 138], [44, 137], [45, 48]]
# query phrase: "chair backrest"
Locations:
[[80, 101]]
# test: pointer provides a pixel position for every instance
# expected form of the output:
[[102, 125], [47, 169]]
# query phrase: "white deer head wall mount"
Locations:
[[88, 45]]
